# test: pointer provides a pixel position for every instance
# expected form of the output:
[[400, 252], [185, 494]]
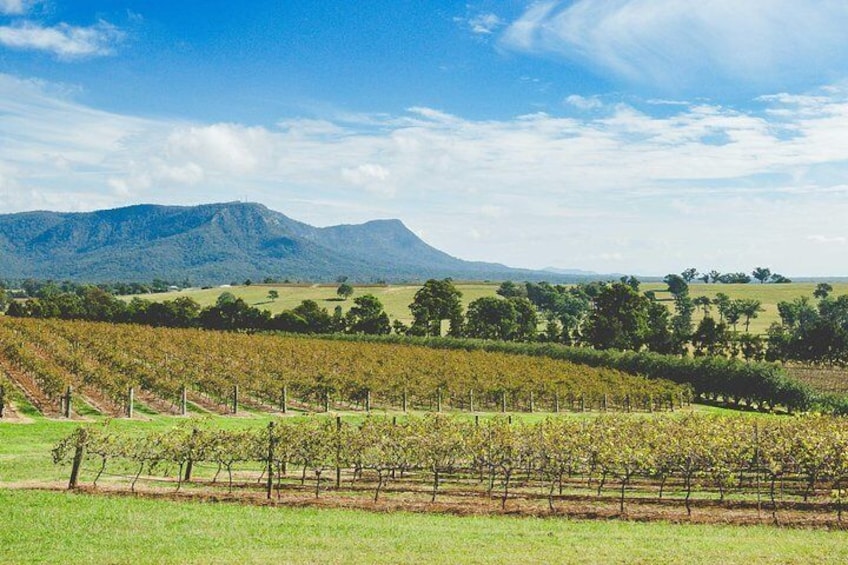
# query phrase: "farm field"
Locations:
[[396, 298], [159, 526]]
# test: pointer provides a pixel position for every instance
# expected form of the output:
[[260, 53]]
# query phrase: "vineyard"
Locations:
[[113, 366], [764, 467]]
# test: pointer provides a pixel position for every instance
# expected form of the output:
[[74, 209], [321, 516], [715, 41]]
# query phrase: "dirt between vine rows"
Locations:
[[818, 515]]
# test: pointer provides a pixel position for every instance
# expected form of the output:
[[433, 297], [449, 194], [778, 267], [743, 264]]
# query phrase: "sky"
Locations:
[[630, 136]]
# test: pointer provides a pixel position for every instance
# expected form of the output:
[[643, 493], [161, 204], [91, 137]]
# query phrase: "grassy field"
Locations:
[[397, 298], [52, 527]]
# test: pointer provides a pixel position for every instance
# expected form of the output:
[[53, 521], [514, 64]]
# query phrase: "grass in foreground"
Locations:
[[49, 527]]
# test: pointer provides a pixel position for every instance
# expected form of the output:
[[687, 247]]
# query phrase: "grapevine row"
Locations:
[[312, 372], [803, 458]]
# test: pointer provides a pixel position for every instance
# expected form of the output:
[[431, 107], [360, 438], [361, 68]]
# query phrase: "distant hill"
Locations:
[[215, 243]]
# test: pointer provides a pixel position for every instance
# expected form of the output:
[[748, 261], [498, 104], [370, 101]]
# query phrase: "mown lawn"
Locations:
[[52, 527]]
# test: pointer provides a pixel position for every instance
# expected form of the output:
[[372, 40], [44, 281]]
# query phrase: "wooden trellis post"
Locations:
[[184, 401], [130, 402], [269, 485], [68, 405]]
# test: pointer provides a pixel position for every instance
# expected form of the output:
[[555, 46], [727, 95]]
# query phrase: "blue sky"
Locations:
[[639, 136]]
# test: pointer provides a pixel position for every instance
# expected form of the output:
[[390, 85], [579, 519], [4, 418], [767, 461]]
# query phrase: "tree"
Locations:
[[619, 319], [526, 319], [230, 313], [344, 291], [318, 320], [273, 294], [722, 302], [714, 276], [509, 289], [734, 278], [823, 290], [658, 338], [367, 316], [710, 338], [437, 300], [762, 274], [681, 322], [288, 321], [689, 274], [631, 281], [704, 303], [491, 318], [749, 308], [677, 285], [777, 278]]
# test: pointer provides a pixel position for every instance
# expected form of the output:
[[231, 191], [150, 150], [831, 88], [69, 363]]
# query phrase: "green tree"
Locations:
[[526, 319], [273, 294], [317, 319], [710, 337], [689, 274], [367, 316], [749, 308], [437, 300], [677, 285], [822, 290], [509, 289], [619, 319], [344, 291], [658, 337], [704, 303], [491, 318], [762, 274]]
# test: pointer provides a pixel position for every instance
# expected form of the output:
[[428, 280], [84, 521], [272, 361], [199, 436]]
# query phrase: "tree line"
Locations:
[[601, 315]]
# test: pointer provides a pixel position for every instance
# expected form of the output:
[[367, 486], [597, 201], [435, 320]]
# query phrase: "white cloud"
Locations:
[[651, 193], [14, 7], [583, 103], [485, 24], [675, 44], [372, 177], [827, 239], [63, 40]]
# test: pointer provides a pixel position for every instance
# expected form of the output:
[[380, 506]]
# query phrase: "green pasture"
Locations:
[[397, 298]]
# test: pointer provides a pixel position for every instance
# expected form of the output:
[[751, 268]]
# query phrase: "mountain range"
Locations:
[[215, 243]]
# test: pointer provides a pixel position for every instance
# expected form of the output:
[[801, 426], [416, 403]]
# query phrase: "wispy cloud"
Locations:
[[674, 45], [485, 24], [15, 7], [583, 102], [63, 40], [824, 239], [616, 188]]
